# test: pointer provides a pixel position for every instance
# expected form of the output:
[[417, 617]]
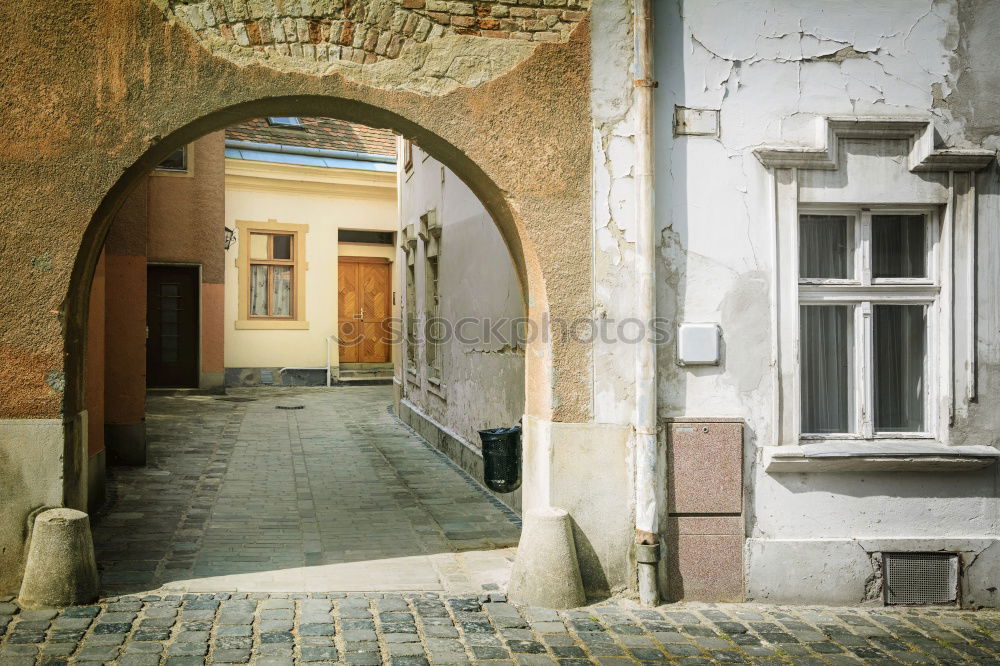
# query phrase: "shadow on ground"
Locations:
[[335, 496]]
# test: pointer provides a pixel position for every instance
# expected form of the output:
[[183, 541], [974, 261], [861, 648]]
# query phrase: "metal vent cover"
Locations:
[[914, 579]]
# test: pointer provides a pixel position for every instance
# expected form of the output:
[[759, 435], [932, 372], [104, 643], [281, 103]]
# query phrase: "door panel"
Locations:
[[173, 305], [364, 300], [348, 311]]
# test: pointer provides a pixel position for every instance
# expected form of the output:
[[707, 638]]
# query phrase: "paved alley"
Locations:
[[297, 490]]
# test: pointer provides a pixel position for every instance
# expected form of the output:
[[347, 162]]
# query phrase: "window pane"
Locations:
[[826, 344], [898, 246], [282, 247], [900, 333], [281, 291], [258, 246], [258, 291], [826, 246], [176, 161]]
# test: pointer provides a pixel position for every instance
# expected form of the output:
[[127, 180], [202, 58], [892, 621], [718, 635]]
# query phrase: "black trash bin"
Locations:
[[502, 458]]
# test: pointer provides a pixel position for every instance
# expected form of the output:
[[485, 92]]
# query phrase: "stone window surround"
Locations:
[[429, 232], [244, 228], [955, 365]]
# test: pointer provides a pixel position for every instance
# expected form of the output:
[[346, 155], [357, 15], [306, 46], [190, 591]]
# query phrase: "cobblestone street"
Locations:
[[425, 628], [242, 494], [327, 532]]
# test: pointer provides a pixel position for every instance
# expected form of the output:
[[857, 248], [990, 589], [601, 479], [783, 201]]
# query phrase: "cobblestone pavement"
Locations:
[[336, 494], [427, 628]]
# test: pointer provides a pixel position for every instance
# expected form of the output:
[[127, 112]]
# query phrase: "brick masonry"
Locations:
[[367, 32]]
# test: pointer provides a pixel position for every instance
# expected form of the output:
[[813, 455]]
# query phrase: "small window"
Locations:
[[175, 161], [272, 275], [433, 334], [826, 247], [370, 237], [293, 122], [411, 317]]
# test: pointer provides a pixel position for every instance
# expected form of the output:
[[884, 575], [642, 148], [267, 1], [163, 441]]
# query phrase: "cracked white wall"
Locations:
[[771, 70], [614, 209]]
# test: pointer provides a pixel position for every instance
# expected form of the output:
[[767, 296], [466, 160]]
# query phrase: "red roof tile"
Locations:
[[318, 133]]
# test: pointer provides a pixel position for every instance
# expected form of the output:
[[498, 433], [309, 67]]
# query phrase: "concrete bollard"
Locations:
[[546, 572], [61, 570]]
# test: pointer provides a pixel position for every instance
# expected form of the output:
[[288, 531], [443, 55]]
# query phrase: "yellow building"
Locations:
[[310, 285]]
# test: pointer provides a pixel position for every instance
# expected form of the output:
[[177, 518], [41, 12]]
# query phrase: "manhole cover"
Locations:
[[291, 405], [236, 399]]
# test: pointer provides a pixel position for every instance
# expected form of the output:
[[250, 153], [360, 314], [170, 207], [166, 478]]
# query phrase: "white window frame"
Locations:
[[928, 177], [862, 292]]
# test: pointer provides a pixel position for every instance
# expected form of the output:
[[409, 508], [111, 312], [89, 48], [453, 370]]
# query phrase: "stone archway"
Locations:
[[132, 80]]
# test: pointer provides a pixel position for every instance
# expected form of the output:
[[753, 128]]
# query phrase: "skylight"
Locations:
[[284, 121]]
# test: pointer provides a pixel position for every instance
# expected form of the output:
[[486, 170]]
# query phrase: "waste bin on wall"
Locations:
[[502, 458]]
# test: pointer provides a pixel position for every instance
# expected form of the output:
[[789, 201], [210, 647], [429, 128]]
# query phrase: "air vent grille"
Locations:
[[914, 579]]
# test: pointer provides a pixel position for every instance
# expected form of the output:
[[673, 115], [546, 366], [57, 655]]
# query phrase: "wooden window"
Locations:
[[868, 288], [272, 275]]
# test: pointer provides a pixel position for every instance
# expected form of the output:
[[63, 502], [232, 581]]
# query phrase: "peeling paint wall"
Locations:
[[770, 71]]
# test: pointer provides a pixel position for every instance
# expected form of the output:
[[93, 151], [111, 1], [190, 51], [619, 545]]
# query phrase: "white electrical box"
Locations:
[[698, 344]]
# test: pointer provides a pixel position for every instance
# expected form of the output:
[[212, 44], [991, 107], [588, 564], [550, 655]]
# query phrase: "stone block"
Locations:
[[546, 572], [60, 568]]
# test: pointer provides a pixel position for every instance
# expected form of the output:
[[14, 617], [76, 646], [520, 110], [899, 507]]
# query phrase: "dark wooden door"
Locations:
[[172, 316], [363, 309]]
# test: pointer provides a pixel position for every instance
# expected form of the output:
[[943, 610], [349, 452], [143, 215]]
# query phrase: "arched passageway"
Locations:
[[216, 492], [516, 127]]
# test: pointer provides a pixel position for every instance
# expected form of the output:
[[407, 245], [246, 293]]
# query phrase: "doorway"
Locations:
[[173, 326], [364, 307]]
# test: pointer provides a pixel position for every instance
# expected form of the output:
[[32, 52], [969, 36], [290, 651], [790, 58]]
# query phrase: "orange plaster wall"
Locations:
[[187, 213], [212, 327], [94, 397], [125, 333]]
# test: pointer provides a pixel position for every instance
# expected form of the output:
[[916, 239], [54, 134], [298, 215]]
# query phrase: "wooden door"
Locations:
[[172, 316], [364, 307]]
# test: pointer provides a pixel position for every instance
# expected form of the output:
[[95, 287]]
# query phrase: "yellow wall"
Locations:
[[325, 200]]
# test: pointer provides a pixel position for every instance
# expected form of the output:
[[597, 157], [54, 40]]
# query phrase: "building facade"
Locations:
[[461, 362], [821, 397], [325, 192]]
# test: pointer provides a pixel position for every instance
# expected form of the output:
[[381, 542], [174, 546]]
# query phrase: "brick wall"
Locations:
[[366, 32]]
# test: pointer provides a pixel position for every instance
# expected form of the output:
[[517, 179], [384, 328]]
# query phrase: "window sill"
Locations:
[[271, 324], [881, 456], [435, 387]]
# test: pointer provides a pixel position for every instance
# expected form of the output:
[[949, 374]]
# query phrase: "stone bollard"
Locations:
[[61, 570], [546, 572]]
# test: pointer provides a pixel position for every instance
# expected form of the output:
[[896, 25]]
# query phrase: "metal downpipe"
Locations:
[[646, 520]]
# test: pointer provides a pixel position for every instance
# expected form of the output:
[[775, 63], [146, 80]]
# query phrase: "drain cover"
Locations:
[[291, 405], [237, 399]]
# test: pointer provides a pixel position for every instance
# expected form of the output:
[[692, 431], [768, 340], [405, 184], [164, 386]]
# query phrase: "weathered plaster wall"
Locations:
[[482, 376], [770, 71], [125, 330]]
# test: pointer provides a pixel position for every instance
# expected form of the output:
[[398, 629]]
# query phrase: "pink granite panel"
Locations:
[[705, 568], [705, 468]]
